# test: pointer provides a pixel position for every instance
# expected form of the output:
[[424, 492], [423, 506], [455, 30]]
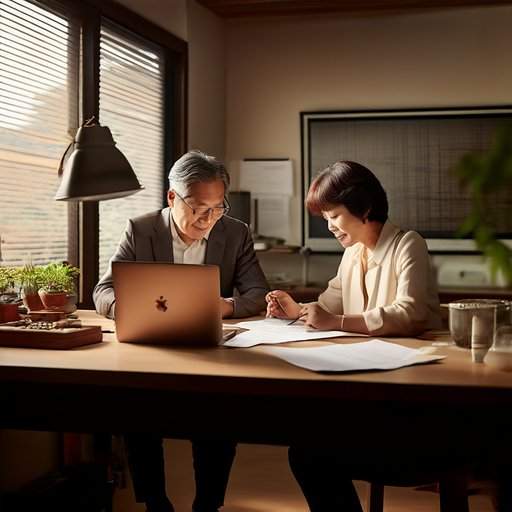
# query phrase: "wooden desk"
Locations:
[[245, 394]]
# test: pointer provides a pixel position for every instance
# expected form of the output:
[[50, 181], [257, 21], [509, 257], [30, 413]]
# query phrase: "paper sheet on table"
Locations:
[[368, 355], [273, 330]]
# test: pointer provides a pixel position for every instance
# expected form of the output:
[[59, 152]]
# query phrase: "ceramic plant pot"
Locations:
[[71, 300], [53, 300], [32, 301], [8, 313]]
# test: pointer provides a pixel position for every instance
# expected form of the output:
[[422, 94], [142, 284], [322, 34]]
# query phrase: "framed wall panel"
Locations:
[[413, 153]]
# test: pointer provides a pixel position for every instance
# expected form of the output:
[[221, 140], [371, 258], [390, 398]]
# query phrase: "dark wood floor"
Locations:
[[261, 482]]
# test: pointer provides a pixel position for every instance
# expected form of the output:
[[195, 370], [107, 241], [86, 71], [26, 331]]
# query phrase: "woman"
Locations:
[[385, 284]]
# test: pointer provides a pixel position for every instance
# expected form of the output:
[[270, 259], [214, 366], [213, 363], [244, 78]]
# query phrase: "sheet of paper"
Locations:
[[369, 355], [271, 331], [267, 176], [273, 216]]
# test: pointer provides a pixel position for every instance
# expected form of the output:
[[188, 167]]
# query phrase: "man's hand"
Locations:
[[313, 315], [281, 305], [227, 307]]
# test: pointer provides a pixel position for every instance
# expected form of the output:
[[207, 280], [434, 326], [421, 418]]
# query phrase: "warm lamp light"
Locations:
[[95, 169]]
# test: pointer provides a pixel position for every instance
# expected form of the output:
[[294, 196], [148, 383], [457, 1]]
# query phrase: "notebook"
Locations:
[[167, 303]]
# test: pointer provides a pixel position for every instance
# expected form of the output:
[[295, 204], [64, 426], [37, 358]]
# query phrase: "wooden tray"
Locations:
[[56, 339]]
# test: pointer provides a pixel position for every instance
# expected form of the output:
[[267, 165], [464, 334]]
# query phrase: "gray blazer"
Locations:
[[230, 247]]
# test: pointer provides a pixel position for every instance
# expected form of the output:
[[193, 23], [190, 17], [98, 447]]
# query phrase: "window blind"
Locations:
[[39, 52], [131, 105]]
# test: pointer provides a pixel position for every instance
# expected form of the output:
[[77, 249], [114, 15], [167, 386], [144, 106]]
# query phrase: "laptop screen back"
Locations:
[[166, 303]]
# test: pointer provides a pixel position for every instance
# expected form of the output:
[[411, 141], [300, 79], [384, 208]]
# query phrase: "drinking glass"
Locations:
[[500, 354]]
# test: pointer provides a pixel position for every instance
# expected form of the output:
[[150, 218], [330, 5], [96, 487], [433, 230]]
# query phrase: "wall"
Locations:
[[30, 455], [277, 68], [170, 15], [206, 129]]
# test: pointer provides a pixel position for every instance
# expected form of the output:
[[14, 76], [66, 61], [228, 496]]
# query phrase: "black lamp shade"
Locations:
[[96, 169]]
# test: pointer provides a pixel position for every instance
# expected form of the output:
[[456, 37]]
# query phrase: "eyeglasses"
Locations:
[[204, 211]]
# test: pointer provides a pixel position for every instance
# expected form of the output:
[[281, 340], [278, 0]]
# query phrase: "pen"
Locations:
[[231, 333], [300, 317], [282, 309]]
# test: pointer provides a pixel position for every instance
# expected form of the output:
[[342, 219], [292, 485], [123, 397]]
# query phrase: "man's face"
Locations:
[[193, 213]]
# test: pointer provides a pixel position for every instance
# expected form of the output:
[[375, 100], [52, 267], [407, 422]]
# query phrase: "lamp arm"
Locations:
[[60, 169]]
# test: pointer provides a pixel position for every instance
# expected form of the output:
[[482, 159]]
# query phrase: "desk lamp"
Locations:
[[95, 169]]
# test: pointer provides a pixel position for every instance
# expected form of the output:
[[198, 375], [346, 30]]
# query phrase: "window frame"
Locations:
[[83, 217]]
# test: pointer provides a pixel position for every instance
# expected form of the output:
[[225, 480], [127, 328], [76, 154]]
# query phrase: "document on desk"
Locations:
[[369, 355], [271, 331]]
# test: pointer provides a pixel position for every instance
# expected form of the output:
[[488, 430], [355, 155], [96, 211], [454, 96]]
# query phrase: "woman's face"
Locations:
[[345, 227]]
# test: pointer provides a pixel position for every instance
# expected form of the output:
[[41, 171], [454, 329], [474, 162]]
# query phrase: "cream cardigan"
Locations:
[[401, 286]]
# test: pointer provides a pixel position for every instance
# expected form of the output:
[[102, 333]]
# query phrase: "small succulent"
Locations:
[[29, 278], [57, 277], [7, 278], [7, 282]]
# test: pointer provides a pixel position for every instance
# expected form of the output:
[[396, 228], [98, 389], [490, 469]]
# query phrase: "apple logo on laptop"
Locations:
[[161, 304]]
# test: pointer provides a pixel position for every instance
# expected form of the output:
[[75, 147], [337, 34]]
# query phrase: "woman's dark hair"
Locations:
[[352, 185]]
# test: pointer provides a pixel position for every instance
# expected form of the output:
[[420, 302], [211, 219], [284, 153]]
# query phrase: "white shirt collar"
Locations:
[[387, 236]]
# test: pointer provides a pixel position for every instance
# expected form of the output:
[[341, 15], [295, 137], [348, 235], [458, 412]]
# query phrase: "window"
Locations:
[[131, 104], [62, 62], [39, 51]]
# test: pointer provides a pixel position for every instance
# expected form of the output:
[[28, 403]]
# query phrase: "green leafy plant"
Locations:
[[57, 277], [484, 175], [29, 278], [7, 278], [7, 282]]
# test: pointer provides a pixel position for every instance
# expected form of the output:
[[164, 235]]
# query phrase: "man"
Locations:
[[193, 229]]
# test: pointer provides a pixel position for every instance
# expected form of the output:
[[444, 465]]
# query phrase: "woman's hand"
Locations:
[[281, 305], [313, 315]]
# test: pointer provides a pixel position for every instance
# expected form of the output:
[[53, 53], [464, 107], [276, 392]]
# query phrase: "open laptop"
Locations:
[[167, 303]]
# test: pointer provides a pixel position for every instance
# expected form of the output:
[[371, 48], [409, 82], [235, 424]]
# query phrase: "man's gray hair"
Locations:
[[196, 166]]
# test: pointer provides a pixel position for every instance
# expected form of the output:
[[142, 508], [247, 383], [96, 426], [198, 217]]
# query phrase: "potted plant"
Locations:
[[29, 280], [57, 282], [484, 176], [8, 301]]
